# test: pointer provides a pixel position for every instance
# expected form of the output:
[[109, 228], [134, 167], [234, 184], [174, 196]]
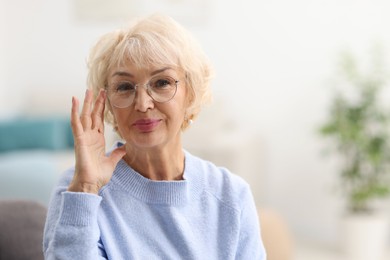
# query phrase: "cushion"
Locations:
[[21, 229], [52, 133]]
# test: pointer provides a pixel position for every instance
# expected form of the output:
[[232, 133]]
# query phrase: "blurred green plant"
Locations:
[[358, 128]]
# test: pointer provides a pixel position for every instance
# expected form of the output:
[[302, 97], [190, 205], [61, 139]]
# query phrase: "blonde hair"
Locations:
[[155, 40]]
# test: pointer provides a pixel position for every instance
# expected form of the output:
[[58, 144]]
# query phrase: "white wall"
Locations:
[[2, 55], [272, 58]]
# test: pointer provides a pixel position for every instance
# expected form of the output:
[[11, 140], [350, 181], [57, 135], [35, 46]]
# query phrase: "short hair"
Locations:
[[154, 40]]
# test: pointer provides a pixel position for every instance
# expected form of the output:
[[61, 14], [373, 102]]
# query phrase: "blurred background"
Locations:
[[274, 62]]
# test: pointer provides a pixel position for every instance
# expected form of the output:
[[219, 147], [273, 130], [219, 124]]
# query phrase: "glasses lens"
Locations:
[[122, 94], [162, 88]]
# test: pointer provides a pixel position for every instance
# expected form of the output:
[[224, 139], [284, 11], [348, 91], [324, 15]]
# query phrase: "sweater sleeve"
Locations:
[[71, 230], [250, 245]]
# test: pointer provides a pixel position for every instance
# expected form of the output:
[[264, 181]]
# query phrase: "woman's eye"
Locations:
[[125, 86], [161, 83]]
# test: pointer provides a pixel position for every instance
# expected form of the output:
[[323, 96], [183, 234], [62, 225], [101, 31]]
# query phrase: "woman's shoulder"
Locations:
[[219, 181]]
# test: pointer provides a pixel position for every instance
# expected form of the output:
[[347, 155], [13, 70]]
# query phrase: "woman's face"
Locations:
[[146, 123]]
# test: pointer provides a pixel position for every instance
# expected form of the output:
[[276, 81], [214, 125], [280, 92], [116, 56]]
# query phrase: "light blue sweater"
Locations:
[[209, 215]]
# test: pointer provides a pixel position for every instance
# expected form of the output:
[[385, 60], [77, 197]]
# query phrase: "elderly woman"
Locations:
[[147, 198]]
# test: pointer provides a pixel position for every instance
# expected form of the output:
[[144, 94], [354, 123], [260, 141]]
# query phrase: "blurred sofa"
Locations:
[[33, 153]]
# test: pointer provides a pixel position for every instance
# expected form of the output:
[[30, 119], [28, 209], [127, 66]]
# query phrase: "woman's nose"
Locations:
[[142, 100]]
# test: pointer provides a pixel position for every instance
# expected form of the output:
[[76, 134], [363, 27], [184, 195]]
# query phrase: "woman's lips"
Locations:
[[146, 125]]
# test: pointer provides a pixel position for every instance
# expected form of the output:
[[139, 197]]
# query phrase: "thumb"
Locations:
[[117, 154]]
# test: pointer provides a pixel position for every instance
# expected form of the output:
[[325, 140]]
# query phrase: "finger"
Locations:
[[117, 154], [77, 128], [86, 111], [98, 112], [104, 105]]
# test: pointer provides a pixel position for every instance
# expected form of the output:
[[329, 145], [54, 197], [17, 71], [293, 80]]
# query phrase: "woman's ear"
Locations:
[[188, 120]]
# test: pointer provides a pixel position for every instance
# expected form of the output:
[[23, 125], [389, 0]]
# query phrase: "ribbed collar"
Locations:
[[169, 193]]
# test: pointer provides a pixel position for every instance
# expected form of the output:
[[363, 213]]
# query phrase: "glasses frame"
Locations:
[[147, 87]]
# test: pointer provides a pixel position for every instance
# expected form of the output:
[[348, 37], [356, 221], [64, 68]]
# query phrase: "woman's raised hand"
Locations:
[[93, 168]]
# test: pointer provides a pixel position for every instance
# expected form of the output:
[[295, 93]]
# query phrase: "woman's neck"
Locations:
[[165, 163]]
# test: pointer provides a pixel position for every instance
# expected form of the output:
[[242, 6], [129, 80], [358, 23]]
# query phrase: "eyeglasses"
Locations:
[[160, 88]]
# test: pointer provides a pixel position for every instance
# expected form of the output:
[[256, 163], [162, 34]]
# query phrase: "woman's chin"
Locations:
[[145, 142]]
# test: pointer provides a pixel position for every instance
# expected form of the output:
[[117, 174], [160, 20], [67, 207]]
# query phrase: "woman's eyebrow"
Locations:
[[128, 74], [122, 73], [160, 70]]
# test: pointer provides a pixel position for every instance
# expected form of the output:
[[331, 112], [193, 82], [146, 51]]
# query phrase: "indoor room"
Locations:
[[300, 109]]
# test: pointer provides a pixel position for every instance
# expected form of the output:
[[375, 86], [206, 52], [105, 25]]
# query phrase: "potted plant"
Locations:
[[358, 128]]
